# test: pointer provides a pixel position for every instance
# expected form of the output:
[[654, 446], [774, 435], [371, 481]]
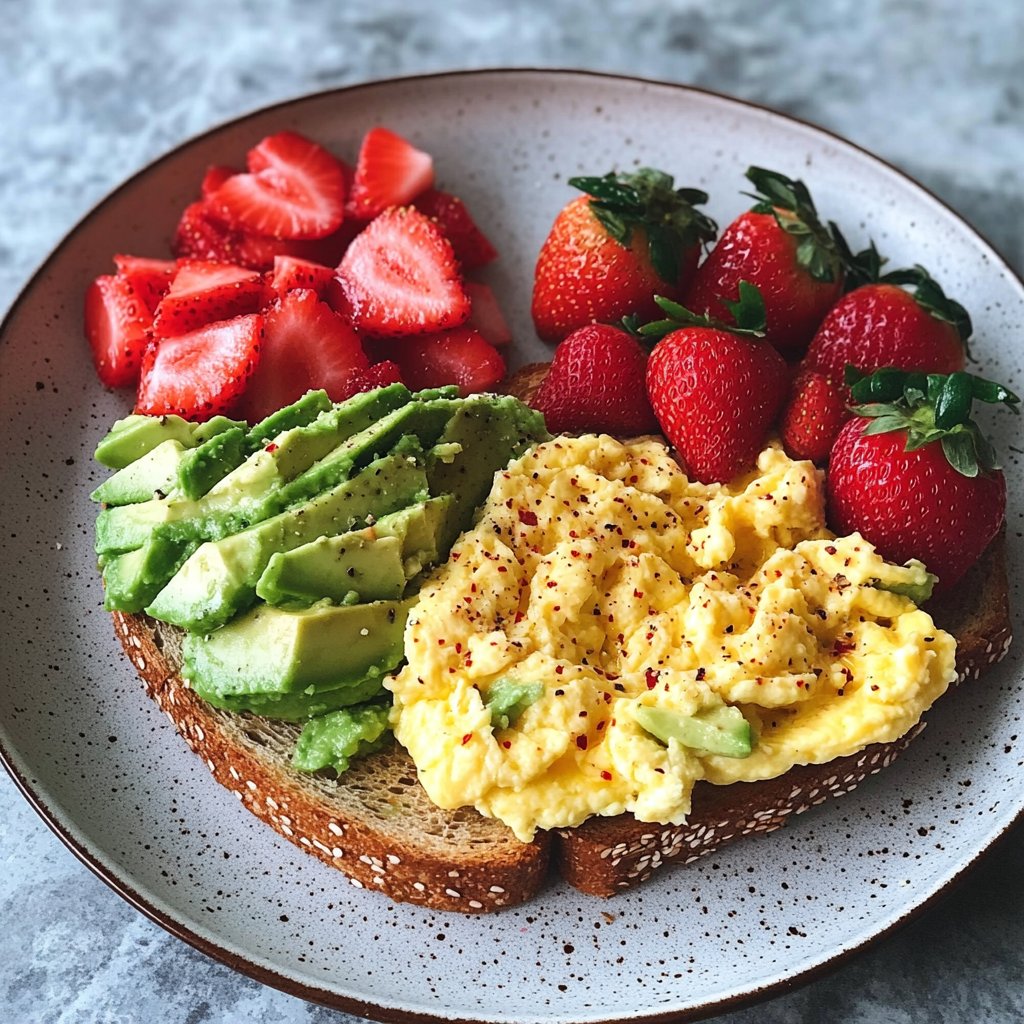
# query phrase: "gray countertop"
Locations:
[[90, 95]]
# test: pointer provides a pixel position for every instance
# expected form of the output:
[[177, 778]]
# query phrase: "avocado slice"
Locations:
[[302, 705], [371, 564], [157, 470], [201, 467], [136, 435], [332, 740], [722, 730], [298, 414], [507, 699], [132, 580], [270, 650], [219, 579]]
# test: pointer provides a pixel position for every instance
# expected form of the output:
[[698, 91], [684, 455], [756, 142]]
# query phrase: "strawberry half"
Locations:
[[400, 276], [471, 245], [377, 376], [203, 291], [200, 374], [306, 345], [290, 273], [390, 171], [117, 324], [460, 356], [149, 277], [294, 189], [485, 314], [215, 176]]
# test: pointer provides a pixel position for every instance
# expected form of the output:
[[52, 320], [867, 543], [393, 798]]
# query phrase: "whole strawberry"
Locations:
[[596, 384], [781, 247], [813, 417], [881, 324], [913, 473], [715, 389], [610, 251]]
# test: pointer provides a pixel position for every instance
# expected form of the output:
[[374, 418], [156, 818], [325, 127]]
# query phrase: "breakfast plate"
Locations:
[[109, 775]]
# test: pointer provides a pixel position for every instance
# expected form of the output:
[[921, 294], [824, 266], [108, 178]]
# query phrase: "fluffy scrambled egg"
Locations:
[[600, 572]]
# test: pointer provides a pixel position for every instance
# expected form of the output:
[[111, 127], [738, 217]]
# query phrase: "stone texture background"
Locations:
[[89, 93]]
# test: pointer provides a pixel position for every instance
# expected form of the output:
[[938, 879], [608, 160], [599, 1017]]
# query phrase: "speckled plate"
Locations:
[[109, 775]]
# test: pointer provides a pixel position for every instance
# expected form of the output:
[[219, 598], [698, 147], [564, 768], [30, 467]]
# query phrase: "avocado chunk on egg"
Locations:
[[722, 730]]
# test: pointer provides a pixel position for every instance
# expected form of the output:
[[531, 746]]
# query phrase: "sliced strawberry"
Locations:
[[485, 314], [200, 374], [150, 278], [215, 176], [294, 189], [390, 171], [290, 273], [399, 276], [203, 291], [377, 376], [306, 345], [471, 245], [461, 356], [117, 326]]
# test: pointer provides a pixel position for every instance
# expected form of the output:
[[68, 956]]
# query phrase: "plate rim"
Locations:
[[322, 996]]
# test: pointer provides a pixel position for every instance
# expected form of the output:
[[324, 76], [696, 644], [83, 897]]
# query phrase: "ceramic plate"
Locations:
[[111, 777]]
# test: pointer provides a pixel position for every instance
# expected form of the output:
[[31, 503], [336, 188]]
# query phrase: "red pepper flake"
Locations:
[[507, 744], [559, 669], [830, 549], [607, 776], [455, 556], [502, 568], [841, 647], [527, 518], [638, 594], [551, 583], [271, 447], [458, 648], [581, 742], [440, 641], [467, 738], [519, 617], [652, 678], [701, 673]]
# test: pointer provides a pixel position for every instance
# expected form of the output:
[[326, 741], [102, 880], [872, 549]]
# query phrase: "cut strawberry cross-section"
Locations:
[[400, 276], [294, 189], [306, 345], [390, 171], [200, 374], [203, 291], [149, 277], [472, 247], [290, 273], [459, 357], [117, 324]]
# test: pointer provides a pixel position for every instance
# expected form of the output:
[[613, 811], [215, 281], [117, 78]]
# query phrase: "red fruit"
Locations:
[[596, 384], [306, 345], [117, 324], [601, 262], [215, 176], [200, 374], [459, 356], [150, 278], [203, 291], [389, 172], [912, 504], [294, 189], [485, 314], [814, 415], [471, 245], [716, 395], [377, 376], [880, 325], [290, 273], [399, 276]]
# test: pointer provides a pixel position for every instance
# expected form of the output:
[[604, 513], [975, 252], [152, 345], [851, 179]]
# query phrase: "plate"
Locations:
[[109, 775]]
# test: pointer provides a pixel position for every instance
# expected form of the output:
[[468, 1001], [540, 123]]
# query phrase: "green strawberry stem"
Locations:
[[748, 313], [793, 208], [648, 200], [931, 407]]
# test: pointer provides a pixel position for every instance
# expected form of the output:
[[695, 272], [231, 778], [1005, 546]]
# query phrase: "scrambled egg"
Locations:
[[598, 570]]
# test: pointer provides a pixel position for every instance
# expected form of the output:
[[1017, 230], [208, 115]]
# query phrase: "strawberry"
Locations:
[[609, 251], [200, 374], [215, 176], [399, 276], [781, 247], [305, 345], [117, 324], [471, 245], [203, 291], [149, 277], [485, 314], [460, 356], [596, 384], [814, 415], [294, 189], [880, 324], [290, 273], [389, 172], [715, 389], [377, 376], [913, 473]]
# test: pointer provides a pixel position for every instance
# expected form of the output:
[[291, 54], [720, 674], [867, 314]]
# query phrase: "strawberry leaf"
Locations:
[[748, 310], [959, 452], [932, 299], [864, 267], [748, 313]]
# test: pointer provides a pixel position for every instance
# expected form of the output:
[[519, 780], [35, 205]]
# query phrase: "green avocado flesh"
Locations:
[[722, 731], [507, 699], [332, 740], [292, 551]]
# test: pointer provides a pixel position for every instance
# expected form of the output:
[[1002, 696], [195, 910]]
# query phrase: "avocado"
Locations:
[[723, 730], [157, 470], [272, 651], [219, 579], [134, 436], [201, 467], [302, 705], [371, 564], [132, 580], [298, 414], [507, 699], [332, 740], [912, 580]]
